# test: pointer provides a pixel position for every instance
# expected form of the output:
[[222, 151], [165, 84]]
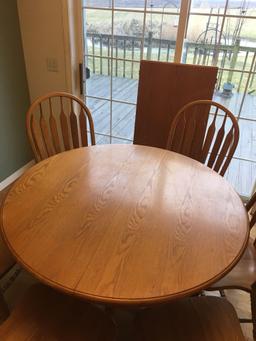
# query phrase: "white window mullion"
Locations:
[[111, 72], [143, 30], [216, 57], [182, 26], [246, 86]]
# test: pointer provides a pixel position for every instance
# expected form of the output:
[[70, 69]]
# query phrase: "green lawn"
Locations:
[[101, 20]]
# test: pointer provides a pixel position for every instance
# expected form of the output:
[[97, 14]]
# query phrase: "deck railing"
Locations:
[[128, 51]]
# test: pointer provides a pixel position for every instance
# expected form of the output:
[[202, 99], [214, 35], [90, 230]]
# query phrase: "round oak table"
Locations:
[[124, 224]]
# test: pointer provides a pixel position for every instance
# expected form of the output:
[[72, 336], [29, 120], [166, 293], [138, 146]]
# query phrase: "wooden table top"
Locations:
[[124, 224]]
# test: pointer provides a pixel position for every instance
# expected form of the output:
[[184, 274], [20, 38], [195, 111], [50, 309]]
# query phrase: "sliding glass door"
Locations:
[[119, 33]]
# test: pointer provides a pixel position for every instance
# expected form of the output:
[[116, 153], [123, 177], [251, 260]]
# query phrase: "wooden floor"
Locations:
[[241, 301], [241, 173]]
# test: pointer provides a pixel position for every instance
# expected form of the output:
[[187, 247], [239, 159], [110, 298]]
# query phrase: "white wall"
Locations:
[[45, 34]]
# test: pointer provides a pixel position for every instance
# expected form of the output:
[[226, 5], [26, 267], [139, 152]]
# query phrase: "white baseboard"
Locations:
[[16, 175]]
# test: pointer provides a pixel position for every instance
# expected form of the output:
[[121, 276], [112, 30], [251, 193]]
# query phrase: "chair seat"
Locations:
[[243, 275], [191, 319], [45, 314]]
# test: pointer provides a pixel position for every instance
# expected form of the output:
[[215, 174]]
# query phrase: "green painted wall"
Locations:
[[14, 97]]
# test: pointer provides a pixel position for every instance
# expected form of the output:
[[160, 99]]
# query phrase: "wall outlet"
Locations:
[[52, 64]]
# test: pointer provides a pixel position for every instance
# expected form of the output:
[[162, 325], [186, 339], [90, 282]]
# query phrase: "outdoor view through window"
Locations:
[[119, 33]]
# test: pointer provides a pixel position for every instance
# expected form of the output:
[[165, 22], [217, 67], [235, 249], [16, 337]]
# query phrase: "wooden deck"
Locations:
[[241, 174]]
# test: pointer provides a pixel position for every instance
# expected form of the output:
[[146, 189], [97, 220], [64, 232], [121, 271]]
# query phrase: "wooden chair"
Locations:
[[202, 318], [50, 130], [243, 275], [216, 146], [45, 314]]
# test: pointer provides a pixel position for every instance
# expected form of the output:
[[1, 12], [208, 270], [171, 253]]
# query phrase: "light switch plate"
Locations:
[[52, 64]]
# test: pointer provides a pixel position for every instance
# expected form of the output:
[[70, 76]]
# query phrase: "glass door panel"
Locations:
[[222, 33], [117, 35]]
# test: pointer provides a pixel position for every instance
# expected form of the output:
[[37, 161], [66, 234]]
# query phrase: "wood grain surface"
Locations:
[[125, 224], [164, 88]]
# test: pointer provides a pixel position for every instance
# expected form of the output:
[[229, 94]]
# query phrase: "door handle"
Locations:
[[81, 78]]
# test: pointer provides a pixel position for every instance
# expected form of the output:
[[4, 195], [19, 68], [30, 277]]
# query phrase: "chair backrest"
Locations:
[[164, 88], [51, 130], [220, 137], [251, 207]]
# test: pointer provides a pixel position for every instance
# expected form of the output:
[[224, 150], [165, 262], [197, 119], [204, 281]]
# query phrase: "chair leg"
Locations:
[[4, 311], [222, 293], [253, 308]]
